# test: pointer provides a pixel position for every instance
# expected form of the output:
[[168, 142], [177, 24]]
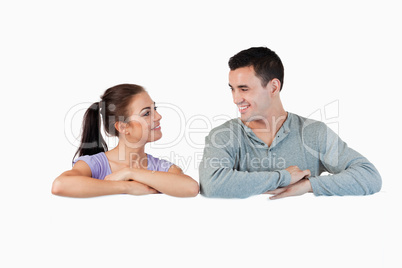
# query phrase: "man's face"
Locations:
[[251, 98]]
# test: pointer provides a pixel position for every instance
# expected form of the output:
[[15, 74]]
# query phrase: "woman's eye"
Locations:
[[155, 108], [146, 114]]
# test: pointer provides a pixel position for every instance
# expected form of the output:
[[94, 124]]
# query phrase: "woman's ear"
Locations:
[[121, 127]]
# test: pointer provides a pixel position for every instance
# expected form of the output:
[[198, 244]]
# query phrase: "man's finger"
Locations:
[[276, 191], [281, 195], [307, 173]]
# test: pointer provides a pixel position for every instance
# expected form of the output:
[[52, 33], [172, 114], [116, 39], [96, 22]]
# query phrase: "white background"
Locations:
[[56, 56]]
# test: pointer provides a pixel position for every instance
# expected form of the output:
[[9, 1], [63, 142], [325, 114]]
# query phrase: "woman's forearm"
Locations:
[[73, 184], [82, 186], [173, 184]]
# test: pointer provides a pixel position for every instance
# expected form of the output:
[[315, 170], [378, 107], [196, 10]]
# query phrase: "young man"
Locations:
[[269, 150]]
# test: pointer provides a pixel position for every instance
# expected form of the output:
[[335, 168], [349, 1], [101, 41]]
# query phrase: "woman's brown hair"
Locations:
[[112, 108]]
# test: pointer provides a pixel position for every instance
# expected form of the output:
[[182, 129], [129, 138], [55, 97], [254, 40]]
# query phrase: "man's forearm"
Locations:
[[360, 179], [230, 183]]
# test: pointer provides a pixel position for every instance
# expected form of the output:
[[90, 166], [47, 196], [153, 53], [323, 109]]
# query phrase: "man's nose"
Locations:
[[237, 97]]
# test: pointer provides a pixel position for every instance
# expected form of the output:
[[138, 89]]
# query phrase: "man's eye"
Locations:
[[244, 89], [146, 114]]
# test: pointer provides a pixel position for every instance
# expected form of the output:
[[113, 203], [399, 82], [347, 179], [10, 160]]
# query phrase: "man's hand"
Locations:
[[301, 187], [297, 174]]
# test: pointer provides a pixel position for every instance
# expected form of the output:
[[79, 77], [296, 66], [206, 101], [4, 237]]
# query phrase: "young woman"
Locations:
[[128, 112]]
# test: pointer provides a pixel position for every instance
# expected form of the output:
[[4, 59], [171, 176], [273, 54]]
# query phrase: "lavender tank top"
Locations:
[[100, 168]]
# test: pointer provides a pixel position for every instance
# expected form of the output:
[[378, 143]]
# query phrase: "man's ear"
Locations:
[[275, 86], [121, 127]]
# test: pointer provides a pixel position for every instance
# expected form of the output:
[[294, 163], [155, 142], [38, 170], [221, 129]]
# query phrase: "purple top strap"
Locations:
[[100, 168]]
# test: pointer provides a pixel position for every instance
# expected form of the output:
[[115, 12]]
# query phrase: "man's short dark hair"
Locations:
[[267, 65]]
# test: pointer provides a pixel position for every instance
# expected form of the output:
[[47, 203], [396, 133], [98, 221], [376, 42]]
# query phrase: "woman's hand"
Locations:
[[137, 188], [124, 174]]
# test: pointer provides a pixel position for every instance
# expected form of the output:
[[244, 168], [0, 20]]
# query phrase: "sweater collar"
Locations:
[[285, 128]]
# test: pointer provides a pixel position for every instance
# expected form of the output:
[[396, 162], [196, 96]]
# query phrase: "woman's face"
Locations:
[[143, 124]]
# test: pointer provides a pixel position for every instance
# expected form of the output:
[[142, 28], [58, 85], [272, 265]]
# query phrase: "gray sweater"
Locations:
[[237, 164]]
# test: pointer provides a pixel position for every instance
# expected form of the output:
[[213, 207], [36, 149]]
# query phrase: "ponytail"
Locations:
[[92, 141], [113, 106]]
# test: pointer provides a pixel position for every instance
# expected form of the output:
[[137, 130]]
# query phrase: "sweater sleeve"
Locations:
[[220, 179], [351, 173]]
